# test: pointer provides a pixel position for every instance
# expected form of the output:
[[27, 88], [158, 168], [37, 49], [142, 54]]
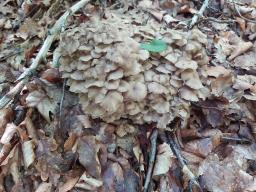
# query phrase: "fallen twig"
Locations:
[[56, 29], [61, 103], [15, 52], [217, 20], [60, 23], [240, 15], [152, 156], [185, 169], [235, 139], [7, 98], [199, 14]]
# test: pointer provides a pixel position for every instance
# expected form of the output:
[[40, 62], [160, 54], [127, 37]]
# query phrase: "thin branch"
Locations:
[[199, 14], [56, 29], [238, 12], [15, 52], [61, 103], [152, 157], [7, 98], [235, 139], [183, 164], [217, 20]]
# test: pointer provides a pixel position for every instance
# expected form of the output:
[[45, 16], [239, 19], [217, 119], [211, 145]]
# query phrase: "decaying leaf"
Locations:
[[9, 132], [5, 117], [226, 175], [164, 160], [44, 187], [89, 183], [69, 143], [87, 150], [201, 147], [46, 103], [69, 184], [28, 152], [229, 44], [113, 178]]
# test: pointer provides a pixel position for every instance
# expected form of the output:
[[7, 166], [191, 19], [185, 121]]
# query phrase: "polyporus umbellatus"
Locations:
[[116, 79]]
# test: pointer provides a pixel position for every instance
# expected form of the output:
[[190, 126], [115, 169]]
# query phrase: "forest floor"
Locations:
[[127, 95]]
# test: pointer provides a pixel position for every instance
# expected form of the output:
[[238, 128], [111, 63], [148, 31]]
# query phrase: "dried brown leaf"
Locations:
[[87, 151], [201, 147], [164, 160], [69, 143], [5, 117], [113, 178], [44, 187], [9, 132], [67, 186], [88, 183], [241, 48], [28, 152], [46, 103]]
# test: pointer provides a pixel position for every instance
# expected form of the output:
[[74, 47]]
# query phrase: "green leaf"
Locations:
[[156, 45]]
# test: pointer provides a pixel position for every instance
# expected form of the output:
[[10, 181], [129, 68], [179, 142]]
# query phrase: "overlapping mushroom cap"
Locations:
[[115, 78]]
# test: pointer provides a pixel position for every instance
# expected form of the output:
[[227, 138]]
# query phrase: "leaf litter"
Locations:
[[129, 73]]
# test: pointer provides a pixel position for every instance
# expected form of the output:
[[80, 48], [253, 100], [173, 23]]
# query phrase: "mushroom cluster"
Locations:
[[116, 79]]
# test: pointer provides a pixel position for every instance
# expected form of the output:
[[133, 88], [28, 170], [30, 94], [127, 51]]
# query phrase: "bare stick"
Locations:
[[234, 139], [56, 29], [61, 103], [199, 14], [217, 20], [238, 12], [152, 157], [185, 169], [12, 93]]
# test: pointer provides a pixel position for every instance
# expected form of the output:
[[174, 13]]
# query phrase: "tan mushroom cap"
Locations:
[[137, 91], [185, 63], [156, 88], [112, 101], [191, 79], [161, 107], [188, 94], [123, 86], [143, 55], [118, 74], [172, 57], [113, 84]]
